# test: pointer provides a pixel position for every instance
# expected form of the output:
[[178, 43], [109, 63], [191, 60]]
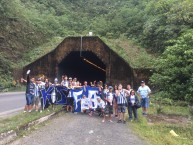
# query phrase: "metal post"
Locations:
[[81, 46]]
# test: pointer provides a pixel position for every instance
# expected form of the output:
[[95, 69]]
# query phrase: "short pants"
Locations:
[[29, 99], [121, 108], [36, 100], [109, 109], [145, 102], [70, 101]]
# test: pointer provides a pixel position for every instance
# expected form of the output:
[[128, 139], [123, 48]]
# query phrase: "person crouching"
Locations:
[[100, 107]]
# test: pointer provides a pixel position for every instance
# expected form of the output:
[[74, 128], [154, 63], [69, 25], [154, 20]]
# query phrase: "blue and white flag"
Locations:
[[90, 92], [60, 95]]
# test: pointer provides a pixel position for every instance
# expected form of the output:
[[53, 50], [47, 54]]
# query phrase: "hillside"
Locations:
[[27, 26]]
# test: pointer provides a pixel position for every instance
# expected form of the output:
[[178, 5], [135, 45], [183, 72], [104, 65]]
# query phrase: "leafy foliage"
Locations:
[[174, 69]]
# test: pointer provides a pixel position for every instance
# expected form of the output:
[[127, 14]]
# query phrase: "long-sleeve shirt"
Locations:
[[30, 87]]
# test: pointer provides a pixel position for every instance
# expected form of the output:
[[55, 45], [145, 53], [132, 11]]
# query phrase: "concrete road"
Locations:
[[81, 129], [11, 102]]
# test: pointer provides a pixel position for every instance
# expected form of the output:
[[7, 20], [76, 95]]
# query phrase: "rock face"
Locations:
[[86, 57]]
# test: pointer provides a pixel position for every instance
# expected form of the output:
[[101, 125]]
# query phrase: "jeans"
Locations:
[[132, 110], [145, 102], [29, 99]]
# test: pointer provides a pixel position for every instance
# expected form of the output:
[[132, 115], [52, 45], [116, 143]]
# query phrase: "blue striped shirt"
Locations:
[[121, 98], [36, 90]]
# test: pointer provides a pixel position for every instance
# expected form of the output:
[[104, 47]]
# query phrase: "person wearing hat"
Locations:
[[109, 103], [144, 92], [86, 103]]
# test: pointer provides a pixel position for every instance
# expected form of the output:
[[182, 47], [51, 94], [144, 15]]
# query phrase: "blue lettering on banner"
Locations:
[[61, 94]]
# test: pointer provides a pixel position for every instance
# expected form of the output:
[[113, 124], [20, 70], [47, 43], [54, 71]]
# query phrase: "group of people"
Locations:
[[111, 100], [116, 100]]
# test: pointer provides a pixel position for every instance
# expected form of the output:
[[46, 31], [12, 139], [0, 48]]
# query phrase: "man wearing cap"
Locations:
[[144, 92]]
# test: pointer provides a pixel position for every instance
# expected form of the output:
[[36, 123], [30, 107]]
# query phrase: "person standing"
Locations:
[[109, 106], [37, 95], [115, 106], [65, 81], [30, 87], [128, 90], [144, 92], [41, 87], [132, 102], [121, 101]]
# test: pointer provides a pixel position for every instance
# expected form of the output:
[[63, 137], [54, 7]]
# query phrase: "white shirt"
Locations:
[[64, 83], [110, 97], [101, 104], [132, 99], [144, 91]]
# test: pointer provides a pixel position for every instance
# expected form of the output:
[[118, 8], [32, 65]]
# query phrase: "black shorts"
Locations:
[[70, 101], [109, 109], [121, 108]]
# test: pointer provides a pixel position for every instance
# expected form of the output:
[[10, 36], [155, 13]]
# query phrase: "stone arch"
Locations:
[[117, 70]]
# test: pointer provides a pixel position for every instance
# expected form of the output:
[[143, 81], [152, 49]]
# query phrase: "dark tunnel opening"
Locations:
[[85, 67]]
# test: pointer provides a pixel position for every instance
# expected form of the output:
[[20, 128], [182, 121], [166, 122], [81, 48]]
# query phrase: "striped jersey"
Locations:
[[36, 90], [121, 98]]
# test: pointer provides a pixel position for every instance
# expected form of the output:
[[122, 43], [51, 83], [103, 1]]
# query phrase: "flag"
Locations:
[[90, 92]]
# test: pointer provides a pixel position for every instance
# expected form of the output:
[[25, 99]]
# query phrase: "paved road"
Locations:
[[72, 129], [11, 102]]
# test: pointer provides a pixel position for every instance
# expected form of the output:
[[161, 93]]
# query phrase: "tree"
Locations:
[[174, 69]]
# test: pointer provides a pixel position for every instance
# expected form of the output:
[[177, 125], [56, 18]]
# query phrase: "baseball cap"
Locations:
[[110, 87], [142, 81]]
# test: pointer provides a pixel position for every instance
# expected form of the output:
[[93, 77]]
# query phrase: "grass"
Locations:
[[133, 54], [21, 119], [158, 132], [38, 52]]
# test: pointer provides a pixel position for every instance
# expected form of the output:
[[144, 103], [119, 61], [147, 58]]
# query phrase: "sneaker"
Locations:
[[130, 120], [29, 111], [116, 116], [111, 121], [40, 111], [24, 111], [119, 121], [144, 114], [136, 120], [124, 122], [103, 120], [36, 110]]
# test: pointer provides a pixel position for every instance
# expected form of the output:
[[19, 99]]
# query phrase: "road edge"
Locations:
[[11, 135]]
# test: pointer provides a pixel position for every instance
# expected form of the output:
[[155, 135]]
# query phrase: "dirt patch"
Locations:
[[172, 119]]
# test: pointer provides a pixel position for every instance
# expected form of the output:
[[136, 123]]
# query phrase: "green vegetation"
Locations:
[[174, 69], [22, 119], [156, 126], [134, 55], [154, 34]]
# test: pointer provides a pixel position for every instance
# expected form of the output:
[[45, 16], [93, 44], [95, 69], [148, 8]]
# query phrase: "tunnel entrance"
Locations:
[[85, 66]]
